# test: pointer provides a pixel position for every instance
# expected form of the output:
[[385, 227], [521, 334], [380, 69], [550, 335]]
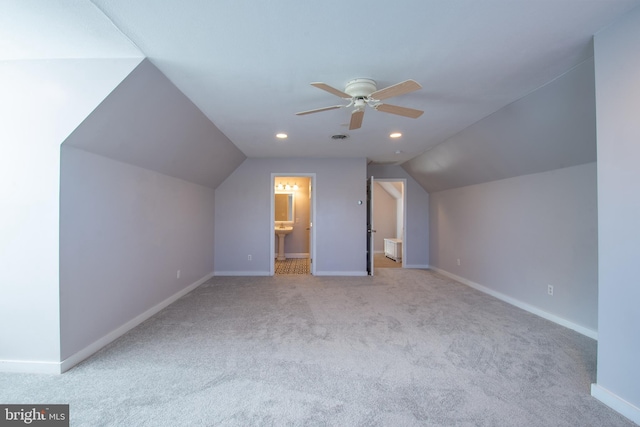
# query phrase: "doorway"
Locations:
[[386, 224], [291, 225]]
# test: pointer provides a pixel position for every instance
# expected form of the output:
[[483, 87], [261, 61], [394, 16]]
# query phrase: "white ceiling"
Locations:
[[59, 29], [248, 65]]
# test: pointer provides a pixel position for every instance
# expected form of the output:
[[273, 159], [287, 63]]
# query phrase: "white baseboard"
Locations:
[[78, 357], [242, 273], [341, 273], [37, 367], [296, 255], [420, 266], [523, 305], [616, 403], [30, 367]]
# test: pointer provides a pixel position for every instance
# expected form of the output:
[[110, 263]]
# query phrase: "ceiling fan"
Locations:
[[363, 92]]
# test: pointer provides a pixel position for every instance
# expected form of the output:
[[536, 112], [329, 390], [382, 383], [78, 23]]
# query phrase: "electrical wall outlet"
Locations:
[[249, 257], [550, 289], [458, 261]]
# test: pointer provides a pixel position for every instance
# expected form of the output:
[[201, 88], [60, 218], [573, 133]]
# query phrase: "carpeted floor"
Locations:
[[403, 348]]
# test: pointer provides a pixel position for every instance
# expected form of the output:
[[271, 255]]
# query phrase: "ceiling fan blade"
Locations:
[[331, 90], [401, 111], [317, 110], [356, 119], [396, 90]]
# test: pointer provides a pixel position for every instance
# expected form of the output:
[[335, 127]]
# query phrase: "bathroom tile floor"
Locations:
[[293, 266]]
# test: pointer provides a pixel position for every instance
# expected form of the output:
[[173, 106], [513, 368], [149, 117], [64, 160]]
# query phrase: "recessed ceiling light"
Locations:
[[281, 135], [395, 135]]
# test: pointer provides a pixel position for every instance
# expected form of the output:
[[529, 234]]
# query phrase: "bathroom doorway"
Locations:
[[291, 225], [386, 224]]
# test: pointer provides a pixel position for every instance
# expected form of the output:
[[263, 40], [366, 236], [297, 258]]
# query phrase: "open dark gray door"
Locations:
[[370, 229]]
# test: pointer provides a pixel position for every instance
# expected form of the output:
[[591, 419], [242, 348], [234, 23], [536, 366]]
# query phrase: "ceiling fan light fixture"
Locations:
[[362, 92]]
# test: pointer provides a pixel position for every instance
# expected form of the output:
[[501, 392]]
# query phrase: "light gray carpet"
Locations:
[[404, 348]]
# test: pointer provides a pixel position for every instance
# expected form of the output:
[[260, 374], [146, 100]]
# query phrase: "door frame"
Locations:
[[312, 216], [404, 218]]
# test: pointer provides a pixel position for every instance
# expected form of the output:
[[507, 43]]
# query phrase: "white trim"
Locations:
[[29, 367], [341, 273], [63, 366], [296, 255], [523, 305], [81, 355], [616, 403], [241, 273], [419, 266]]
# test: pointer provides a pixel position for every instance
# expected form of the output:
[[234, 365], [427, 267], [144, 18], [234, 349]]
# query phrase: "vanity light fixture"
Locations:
[[280, 186], [395, 135]]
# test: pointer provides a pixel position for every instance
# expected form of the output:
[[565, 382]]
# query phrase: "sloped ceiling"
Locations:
[[394, 189], [146, 121], [551, 128], [248, 65]]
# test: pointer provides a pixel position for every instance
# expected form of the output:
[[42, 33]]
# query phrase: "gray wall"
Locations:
[[553, 127], [124, 233], [243, 220], [416, 245], [516, 236], [41, 103], [137, 205], [618, 106], [399, 186], [384, 215]]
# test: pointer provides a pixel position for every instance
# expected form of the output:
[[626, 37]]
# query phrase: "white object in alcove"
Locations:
[[393, 249]]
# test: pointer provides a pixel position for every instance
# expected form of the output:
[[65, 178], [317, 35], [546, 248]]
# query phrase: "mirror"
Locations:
[[284, 207]]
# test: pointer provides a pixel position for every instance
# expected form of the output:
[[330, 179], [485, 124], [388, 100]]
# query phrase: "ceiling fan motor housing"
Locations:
[[360, 88]]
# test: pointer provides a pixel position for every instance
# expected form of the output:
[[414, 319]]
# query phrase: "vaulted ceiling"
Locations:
[[247, 65]]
